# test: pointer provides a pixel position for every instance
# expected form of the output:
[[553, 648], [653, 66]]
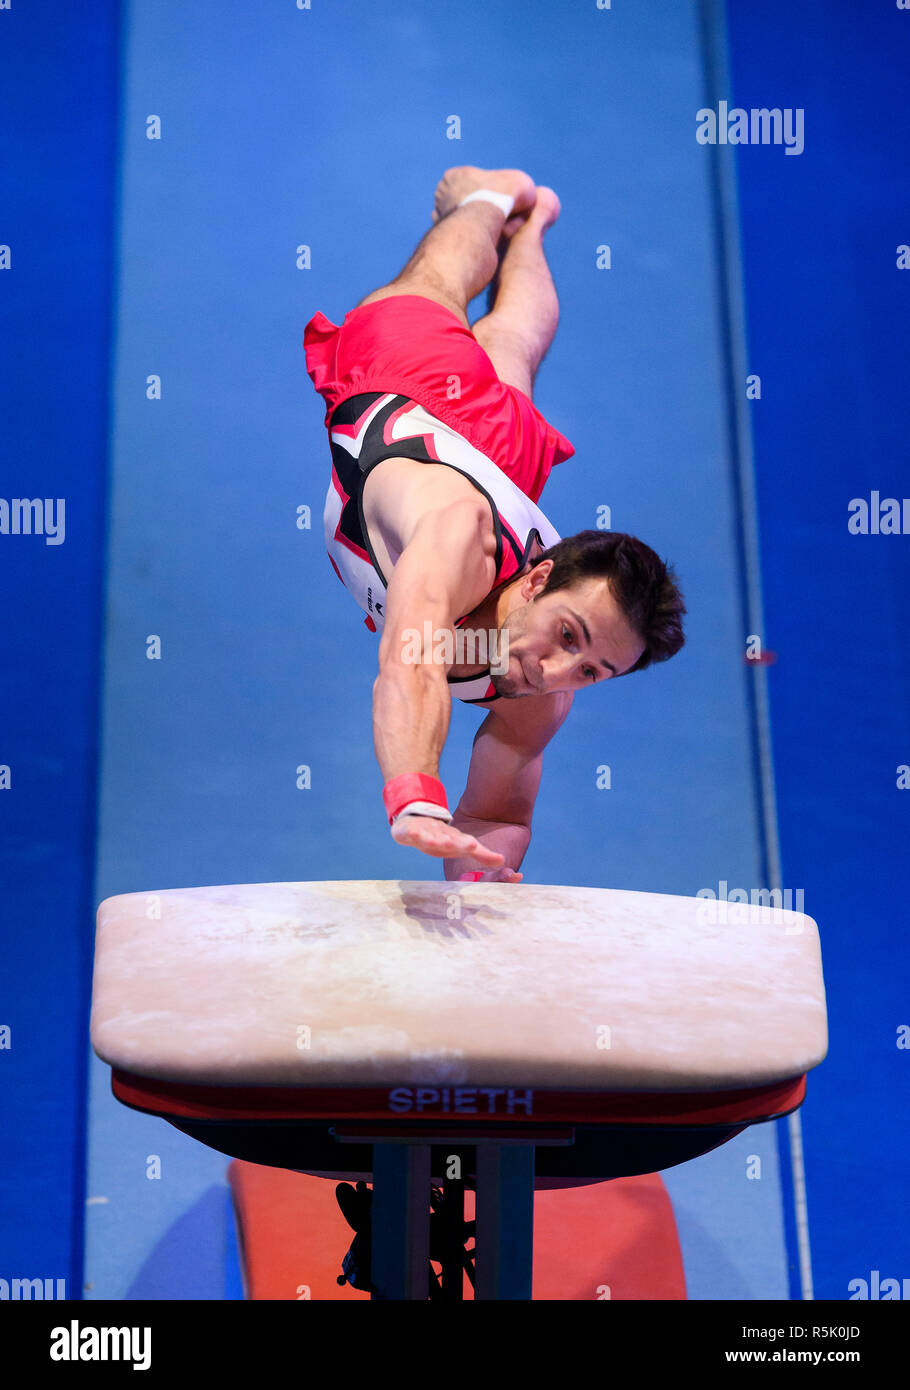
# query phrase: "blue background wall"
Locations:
[[58, 107], [199, 750], [827, 324]]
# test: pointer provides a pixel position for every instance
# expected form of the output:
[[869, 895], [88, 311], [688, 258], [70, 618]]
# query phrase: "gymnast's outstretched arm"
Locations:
[[446, 568]]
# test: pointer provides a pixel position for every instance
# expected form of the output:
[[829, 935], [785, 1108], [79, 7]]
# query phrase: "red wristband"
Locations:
[[412, 786]]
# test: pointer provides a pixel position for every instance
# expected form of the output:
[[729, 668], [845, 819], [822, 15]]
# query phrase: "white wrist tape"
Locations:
[[424, 808], [487, 195]]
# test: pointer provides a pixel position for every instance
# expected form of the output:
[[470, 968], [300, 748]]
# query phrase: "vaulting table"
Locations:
[[376, 1029]]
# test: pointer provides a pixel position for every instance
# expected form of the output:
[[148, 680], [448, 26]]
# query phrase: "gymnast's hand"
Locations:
[[443, 841]]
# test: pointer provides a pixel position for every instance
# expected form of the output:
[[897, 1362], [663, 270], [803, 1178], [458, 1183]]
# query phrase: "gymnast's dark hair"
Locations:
[[643, 586]]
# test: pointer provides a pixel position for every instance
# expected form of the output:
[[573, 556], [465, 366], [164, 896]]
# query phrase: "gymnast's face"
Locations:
[[567, 640]]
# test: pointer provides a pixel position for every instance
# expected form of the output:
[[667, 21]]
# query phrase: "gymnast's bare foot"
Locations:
[[458, 182], [545, 211]]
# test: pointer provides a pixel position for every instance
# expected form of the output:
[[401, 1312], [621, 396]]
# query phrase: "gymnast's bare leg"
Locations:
[[469, 247]]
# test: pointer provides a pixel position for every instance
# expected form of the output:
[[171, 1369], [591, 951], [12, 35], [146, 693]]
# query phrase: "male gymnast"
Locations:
[[439, 458]]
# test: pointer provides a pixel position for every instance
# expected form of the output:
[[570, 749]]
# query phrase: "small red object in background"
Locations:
[[766, 659]]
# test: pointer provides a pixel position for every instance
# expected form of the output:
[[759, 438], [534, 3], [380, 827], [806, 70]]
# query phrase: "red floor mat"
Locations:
[[608, 1240]]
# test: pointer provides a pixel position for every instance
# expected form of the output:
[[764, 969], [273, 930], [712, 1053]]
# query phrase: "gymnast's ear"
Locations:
[[538, 577]]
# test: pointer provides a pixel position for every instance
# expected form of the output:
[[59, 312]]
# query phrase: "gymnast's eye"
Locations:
[[566, 630]]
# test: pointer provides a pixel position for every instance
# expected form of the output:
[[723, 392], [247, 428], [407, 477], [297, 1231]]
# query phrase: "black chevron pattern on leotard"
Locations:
[[352, 471]]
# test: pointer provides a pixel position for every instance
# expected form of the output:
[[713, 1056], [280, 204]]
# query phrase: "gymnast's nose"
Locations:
[[561, 671], [555, 672]]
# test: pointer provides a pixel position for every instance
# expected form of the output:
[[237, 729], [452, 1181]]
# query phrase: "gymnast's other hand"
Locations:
[[503, 875], [441, 840]]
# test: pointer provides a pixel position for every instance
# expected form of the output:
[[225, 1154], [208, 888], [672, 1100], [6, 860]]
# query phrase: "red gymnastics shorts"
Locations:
[[415, 347]]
